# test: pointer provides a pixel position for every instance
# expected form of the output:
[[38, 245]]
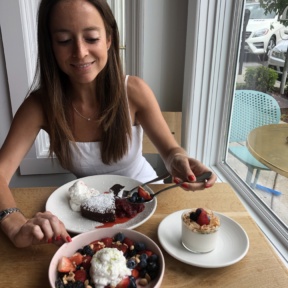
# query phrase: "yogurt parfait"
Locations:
[[200, 228]]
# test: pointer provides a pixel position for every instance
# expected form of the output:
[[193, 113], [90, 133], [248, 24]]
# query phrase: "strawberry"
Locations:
[[65, 265], [135, 273], [148, 252], [203, 219], [143, 193], [86, 262], [80, 275], [107, 241], [124, 283], [76, 258]]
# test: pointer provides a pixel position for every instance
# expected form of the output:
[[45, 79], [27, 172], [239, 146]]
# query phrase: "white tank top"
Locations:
[[86, 160]]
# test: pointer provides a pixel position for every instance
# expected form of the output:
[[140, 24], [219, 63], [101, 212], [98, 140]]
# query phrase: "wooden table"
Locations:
[[261, 267], [269, 145]]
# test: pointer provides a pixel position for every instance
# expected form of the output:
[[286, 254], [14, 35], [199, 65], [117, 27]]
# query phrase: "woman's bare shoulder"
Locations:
[[138, 91], [32, 110]]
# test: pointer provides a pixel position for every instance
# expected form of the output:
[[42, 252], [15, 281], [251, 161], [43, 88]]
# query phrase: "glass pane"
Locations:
[[258, 138]]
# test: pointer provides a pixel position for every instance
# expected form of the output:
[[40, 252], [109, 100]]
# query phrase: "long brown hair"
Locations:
[[51, 84]]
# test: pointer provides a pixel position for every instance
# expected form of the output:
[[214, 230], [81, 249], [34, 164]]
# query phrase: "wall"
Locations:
[[163, 70], [165, 24]]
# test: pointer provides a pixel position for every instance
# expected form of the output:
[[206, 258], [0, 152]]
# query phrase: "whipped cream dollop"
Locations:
[[78, 193], [108, 267]]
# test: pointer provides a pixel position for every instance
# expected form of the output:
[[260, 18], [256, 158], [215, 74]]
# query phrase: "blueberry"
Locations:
[[143, 256], [152, 266], [80, 251], [59, 283], [134, 197], [142, 263], [140, 246], [153, 258], [193, 216], [140, 199], [119, 237], [142, 273], [78, 284], [198, 211], [88, 250], [153, 274], [131, 263], [132, 283], [131, 253]]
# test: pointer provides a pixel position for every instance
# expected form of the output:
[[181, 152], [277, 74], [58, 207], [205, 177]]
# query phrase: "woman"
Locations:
[[93, 114]]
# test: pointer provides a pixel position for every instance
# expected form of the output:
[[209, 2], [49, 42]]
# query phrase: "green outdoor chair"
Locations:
[[251, 109]]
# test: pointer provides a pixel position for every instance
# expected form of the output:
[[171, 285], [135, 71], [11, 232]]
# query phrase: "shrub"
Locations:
[[260, 78], [241, 86]]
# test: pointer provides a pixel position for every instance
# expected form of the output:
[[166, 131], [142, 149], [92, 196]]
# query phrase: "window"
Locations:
[[210, 86]]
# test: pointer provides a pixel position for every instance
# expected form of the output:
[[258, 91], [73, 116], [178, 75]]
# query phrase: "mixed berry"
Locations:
[[126, 209], [73, 272], [140, 196], [200, 217]]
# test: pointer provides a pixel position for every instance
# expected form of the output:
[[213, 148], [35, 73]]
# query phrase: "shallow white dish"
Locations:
[[68, 249], [58, 203], [232, 243]]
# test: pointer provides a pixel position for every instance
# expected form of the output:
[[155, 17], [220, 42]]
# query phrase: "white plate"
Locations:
[[58, 204], [232, 245]]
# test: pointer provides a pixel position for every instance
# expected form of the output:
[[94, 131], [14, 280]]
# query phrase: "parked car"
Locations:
[[263, 31], [277, 56]]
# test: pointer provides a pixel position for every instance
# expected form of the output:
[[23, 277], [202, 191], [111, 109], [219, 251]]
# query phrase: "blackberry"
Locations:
[[88, 250], [119, 237]]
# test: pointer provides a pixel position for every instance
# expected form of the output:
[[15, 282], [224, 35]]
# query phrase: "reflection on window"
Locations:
[[257, 140]]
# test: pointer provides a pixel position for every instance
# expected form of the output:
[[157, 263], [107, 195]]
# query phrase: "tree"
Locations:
[[278, 6]]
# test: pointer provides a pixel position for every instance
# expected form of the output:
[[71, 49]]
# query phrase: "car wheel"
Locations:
[[270, 46]]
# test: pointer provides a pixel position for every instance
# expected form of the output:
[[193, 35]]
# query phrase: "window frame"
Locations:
[[210, 77]]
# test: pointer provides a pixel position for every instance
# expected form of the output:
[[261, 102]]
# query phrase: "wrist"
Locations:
[[172, 155], [6, 212], [12, 222]]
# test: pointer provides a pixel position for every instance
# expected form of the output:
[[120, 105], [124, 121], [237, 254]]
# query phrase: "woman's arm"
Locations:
[[26, 124], [146, 111]]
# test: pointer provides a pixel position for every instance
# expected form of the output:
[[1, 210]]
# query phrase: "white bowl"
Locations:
[[68, 249]]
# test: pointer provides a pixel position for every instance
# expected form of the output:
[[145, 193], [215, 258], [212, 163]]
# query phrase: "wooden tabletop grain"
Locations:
[[261, 267]]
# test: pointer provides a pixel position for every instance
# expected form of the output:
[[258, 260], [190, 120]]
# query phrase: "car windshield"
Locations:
[[257, 12]]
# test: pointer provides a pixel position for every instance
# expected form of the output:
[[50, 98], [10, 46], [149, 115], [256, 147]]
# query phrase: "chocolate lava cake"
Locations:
[[100, 208]]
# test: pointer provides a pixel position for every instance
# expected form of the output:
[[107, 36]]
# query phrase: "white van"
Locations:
[[263, 32]]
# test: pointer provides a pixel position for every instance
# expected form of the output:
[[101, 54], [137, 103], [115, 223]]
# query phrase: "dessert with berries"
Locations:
[[109, 262], [200, 230], [102, 207]]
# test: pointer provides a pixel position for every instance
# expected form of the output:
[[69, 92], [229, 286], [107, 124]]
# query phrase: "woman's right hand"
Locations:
[[42, 228]]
